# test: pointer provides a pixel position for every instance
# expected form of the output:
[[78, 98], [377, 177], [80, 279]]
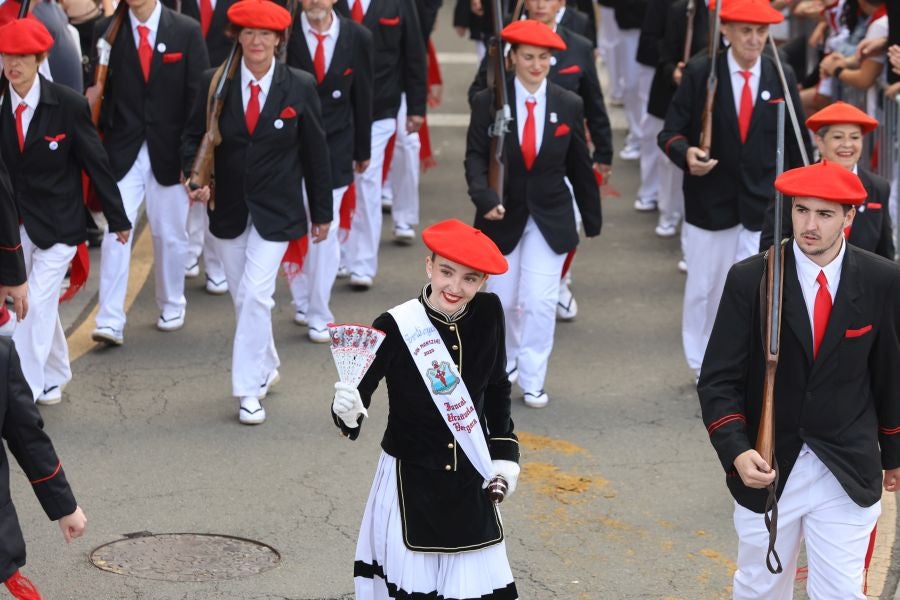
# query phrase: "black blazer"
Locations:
[[23, 430], [573, 69], [578, 22], [630, 13], [46, 177], [12, 260], [871, 229], [156, 111], [653, 29], [345, 95], [400, 59], [671, 52], [217, 43], [540, 192], [259, 176], [843, 404], [739, 188]]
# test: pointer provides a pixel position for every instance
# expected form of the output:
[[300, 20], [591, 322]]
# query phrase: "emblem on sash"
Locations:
[[443, 381]]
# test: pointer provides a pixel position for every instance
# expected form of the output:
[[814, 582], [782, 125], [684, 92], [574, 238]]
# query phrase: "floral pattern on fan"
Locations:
[[353, 348]]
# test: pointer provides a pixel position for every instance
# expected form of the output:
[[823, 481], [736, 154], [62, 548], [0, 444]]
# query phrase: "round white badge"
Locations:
[[861, 208], [54, 145], [336, 94], [765, 95], [279, 123], [552, 60], [160, 47]]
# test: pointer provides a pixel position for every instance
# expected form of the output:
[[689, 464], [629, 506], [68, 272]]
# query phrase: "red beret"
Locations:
[[533, 33], [841, 113], [825, 181], [259, 14], [463, 244], [757, 12], [24, 36]]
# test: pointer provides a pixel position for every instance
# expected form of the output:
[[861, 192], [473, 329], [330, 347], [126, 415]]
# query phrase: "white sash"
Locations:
[[448, 391]]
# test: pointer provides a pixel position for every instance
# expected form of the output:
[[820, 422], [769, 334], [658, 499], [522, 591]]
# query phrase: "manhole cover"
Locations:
[[185, 557]]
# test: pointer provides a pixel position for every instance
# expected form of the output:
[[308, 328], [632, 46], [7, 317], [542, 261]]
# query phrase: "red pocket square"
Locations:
[[55, 138], [873, 206], [570, 70], [561, 130], [172, 57], [389, 22], [855, 333], [348, 71], [288, 113]]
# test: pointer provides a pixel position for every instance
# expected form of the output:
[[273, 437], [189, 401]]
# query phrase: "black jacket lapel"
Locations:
[[844, 309], [795, 314], [725, 97]]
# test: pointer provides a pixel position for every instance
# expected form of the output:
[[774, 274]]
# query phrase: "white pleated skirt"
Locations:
[[386, 569]]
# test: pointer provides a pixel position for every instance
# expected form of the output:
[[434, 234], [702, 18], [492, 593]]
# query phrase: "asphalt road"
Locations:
[[621, 495]]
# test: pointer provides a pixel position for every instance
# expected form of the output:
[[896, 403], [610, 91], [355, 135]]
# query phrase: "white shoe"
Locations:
[[664, 230], [387, 204], [251, 411], [170, 324], [360, 282], [536, 399], [192, 271], [566, 307], [343, 273], [630, 153], [273, 378], [216, 288], [300, 318], [52, 395], [644, 205], [513, 374], [108, 336], [319, 336], [682, 266], [404, 234]]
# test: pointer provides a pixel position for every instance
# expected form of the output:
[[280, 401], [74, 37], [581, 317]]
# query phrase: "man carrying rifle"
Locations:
[[155, 67], [727, 185], [836, 410]]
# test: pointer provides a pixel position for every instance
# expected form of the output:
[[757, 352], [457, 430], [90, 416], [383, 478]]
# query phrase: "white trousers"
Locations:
[[251, 268], [404, 173], [709, 256], [311, 289], [607, 42], [636, 87], [671, 193], [651, 155], [167, 210], [529, 291], [40, 338], [365, 230], [199, 242], [816, 508]]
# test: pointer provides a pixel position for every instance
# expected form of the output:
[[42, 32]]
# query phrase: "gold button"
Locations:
[[450, 445], [455, 347], [448, 468], [453, 328]]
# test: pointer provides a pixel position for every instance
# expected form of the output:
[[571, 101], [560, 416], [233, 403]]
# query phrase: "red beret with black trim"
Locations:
[[825, 181], [756, 12], [532, 33], [259, 14], [463, 244], [24, 36], [841, 113]]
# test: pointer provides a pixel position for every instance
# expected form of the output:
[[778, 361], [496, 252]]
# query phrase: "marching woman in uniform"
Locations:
[[534, 223], [429, 529], [272, 143], [47, 139]]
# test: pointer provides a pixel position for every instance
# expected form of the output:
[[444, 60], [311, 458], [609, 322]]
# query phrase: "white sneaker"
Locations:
[[682, 266], [404, 234], [52, 395], [251, 411], [192, 271], [641, 205], [360, 282], [216, 288], [536, 399], [664, 230], [300, 318], [630, 153], [170, 324], [273, 378], [343, 273], [319, 336], [566, 307], [108, 336]]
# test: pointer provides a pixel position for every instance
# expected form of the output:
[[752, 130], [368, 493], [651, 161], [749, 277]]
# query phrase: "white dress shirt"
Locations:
[[329, 42], [737, 80], [264, 84], [31, 99], [540, 110], [152, 24], [807, 271]]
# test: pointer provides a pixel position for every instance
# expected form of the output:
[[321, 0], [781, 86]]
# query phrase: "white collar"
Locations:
[[540, 95], [734, 67], [32, 98], [332, 31], [152, 22], [809, 271], [264, 82]]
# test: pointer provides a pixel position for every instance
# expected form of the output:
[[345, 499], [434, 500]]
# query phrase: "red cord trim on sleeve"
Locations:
[[889, 430], [671, 141], [48, 477], [725, 421], [11, 249]]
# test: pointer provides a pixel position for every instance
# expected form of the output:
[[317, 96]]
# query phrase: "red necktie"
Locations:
[[357, 12], [252, 114], [206, 14], [319, 60], [20, 131], [145, 52], [529, 151], [746, 107], [821, 312]]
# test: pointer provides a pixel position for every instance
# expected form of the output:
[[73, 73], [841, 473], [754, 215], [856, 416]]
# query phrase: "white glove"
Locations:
[[347, 404], [509, 471]]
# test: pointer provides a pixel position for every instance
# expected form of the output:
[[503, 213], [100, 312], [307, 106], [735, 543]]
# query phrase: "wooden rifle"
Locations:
[[689, 33], [24, 7], [772, 304], [202, 169], [292, 6], [711, 84], [502, 113], [104, 50]]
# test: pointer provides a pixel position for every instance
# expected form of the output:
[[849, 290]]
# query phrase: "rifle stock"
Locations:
[[765, 438], [712, 82], [104, 49], [502, 112], [689, 31]]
